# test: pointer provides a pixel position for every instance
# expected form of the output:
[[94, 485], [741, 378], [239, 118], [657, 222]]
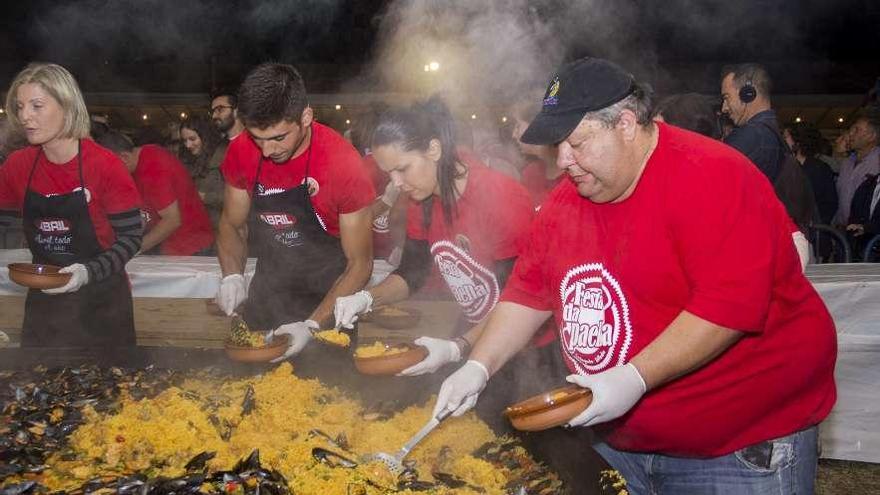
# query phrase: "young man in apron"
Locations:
[[297, 190]]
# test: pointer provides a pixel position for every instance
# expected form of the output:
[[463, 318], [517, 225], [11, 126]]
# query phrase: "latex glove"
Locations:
[[440, 352], [389, 197], [347, 308], [460, 390], [803, 248], [300, 334], [615, 392], [79, 277], [232, 292]]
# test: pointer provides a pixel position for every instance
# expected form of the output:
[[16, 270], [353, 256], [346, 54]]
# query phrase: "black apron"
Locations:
[[297, 260], [59, 231]]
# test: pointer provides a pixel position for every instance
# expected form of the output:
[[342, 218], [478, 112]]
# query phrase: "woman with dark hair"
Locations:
[[204, 153], [471, 219], [806, 142], [540, 174]]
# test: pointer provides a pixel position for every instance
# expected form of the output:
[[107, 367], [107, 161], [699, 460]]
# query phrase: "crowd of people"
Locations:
[[610, 246]]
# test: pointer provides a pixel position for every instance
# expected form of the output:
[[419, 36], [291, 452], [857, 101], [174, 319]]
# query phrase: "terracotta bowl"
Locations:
[[37, 276], [257, 354], [553, 408], [394, 317], [391, 364]]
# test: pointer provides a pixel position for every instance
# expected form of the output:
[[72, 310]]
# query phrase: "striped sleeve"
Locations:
[[129, 234]]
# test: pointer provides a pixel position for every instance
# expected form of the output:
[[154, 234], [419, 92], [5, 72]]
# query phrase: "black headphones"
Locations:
[[748, 93]]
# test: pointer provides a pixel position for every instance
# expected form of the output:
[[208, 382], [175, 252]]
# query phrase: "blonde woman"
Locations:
[[79, 209]]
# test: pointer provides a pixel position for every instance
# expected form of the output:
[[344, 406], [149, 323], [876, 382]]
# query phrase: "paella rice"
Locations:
[[377, 349], [286, 417]]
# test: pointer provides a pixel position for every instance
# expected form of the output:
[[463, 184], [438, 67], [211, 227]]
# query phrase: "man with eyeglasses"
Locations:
[[224, 113]]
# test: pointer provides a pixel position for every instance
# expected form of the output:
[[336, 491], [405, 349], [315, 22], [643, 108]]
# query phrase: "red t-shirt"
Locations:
[[703, 232], [492, 222], [109, 187], [383, 244], [338, 181], [535, 180], [162, 180]]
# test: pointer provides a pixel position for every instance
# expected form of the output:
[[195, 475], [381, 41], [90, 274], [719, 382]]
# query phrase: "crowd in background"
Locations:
[[831, 193]]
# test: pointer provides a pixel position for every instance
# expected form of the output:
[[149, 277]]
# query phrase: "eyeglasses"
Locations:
[[219, 108]]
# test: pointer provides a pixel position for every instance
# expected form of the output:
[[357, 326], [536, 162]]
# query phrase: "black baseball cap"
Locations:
[[582, 86]]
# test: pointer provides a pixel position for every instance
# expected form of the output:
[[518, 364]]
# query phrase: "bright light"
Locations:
[[797, 119], [840, 120], [347, 121], [144, 116], [2, 110], [183, 115], [434, 66], [473, 116], [503, 119], [427, 68], [339, 107]]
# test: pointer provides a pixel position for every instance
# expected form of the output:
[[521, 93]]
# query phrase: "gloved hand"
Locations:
[[615, 391], [300, 333], [440, 352], [389, 197], [79, 277], [232, 292], [347, 308], [460, 390]]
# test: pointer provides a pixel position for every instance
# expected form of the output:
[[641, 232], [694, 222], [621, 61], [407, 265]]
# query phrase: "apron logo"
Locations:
[[473, 286], [53, 226], [596, 331], [380, 224], [314, 187], [278, 221]]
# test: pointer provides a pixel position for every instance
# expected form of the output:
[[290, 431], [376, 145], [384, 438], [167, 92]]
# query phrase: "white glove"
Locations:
[[389, 197], [232, 292], [347, 308], [79, 277], [615, 392], [440, 352], [460, 390], [300, 334]]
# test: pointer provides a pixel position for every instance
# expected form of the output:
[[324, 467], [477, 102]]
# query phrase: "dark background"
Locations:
[[811, 46]]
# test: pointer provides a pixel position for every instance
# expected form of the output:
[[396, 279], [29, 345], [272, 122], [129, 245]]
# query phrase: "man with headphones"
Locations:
[[745, 98]]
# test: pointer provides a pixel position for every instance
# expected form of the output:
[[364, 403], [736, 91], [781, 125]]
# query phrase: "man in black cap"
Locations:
[[709, 365]]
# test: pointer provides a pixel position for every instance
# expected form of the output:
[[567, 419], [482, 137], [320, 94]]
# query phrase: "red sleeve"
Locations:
[[355, 189], [529, 284], [157, 180], [119, 193], [510, 224], [234, 163], [727, 241]]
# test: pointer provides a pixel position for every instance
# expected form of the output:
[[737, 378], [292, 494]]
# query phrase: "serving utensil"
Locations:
[[394, 462]]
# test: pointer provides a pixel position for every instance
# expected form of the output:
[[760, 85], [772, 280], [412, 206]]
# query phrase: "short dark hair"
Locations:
[[271, 93], [227, 92], [115, 141], [807, 138], [744, 73], [692, 111]]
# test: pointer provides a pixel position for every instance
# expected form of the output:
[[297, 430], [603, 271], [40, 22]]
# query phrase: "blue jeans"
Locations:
[[782, 466]]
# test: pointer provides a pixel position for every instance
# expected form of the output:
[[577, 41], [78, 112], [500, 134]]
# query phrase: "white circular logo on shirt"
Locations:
[[314, 187], [473, 286], [596, 331], [380, 224]]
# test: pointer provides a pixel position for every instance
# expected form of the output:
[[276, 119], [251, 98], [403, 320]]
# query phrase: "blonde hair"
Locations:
[[61, 85]]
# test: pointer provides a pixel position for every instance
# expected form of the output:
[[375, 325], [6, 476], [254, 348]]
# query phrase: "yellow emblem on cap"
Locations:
[[554, 88]]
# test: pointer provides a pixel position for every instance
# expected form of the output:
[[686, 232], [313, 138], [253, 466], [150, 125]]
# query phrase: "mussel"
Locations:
[[198, 462]]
